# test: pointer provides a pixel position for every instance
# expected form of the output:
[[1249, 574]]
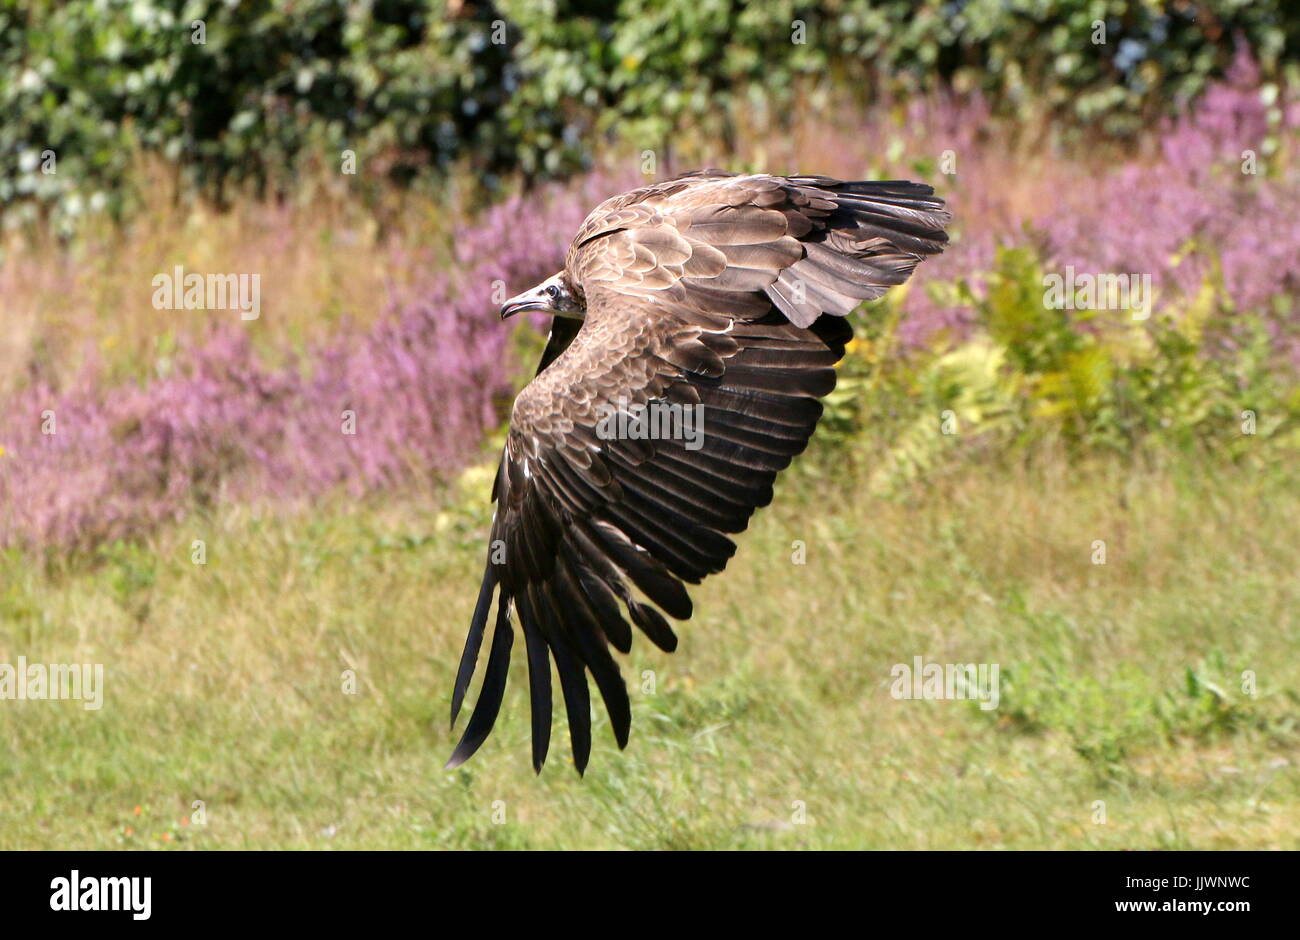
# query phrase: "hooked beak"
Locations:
[[525, 303]]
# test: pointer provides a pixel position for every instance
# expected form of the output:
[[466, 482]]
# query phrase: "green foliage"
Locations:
[[1093, 381], [1107, 718], [411, 86], [130, 573], [235, 92]]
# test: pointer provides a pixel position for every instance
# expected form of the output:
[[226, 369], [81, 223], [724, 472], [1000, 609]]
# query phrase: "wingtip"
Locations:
[[581, 754], [539, 760], [466, 748]]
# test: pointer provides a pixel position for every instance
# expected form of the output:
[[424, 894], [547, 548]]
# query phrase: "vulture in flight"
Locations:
[[722, 292]]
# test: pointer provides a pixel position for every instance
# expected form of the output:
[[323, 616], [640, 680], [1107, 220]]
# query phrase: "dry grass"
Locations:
[[224, 681], [326, 253]]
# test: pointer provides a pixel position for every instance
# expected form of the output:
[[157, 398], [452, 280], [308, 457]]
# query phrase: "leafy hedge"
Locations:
[[413, 85]]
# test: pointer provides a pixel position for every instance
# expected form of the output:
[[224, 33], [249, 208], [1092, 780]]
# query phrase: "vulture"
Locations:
[[722, 293]]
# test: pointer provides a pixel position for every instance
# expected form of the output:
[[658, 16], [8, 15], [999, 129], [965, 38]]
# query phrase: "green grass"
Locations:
[[1122, 683]]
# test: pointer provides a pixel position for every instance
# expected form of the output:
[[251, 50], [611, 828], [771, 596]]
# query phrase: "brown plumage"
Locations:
[[714, 290]]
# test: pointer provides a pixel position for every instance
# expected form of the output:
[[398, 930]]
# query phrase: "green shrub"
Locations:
[[1028, 374], [411, 86]]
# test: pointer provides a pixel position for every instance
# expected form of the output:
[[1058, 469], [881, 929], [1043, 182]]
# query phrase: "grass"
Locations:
[[771, 727]]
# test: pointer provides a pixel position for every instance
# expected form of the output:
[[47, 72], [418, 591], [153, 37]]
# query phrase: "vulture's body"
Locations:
[[712, 290]]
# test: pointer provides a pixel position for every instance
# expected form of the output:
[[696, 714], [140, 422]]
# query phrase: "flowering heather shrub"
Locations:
[[1185, 216], [424, 383], [1194, 207], [124, 458]]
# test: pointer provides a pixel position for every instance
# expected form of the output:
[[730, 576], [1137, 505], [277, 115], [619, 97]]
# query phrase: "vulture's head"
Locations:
[[555, 296]]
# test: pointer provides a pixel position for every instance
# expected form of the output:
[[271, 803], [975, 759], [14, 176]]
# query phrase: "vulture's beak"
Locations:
[[528, 301]]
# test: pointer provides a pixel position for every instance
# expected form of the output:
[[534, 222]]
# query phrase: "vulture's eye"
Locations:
[[553, 292]]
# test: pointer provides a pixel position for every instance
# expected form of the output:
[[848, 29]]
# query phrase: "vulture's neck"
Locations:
[[563, 330]]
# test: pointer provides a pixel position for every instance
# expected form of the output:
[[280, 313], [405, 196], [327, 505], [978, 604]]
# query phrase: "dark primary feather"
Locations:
[[709, 289]]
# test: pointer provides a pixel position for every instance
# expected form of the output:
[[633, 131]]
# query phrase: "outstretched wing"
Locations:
[[736, 245], [704, 299]]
